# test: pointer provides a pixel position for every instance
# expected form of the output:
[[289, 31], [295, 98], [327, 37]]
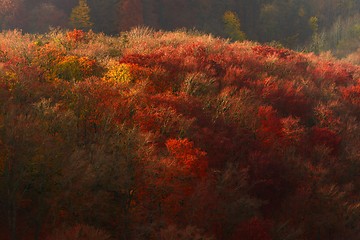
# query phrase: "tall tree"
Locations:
[[80, 16]]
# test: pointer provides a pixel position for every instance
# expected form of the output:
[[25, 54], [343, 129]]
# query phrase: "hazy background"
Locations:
[[337, 25]]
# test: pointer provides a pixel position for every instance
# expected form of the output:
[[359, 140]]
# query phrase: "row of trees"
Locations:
[[261, 20]]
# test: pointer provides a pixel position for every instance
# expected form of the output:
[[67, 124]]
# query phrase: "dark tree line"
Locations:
[[285, 21]]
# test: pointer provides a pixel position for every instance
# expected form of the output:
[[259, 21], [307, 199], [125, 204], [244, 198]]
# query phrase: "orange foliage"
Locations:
[[76, 36]]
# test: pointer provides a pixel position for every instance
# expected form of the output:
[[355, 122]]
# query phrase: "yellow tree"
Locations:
[[232, 26]]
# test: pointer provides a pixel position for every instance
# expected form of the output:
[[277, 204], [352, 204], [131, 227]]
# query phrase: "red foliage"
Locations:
[[271, 51], [286, 98], [145, 60], [175, 180], [253, 229], [96, 99], [327, 117], [272, 180], [333, 73], [292, 131], [326, 137], [269, 131], [191, 158], [140, 73], [163, 74], [162, 120], [168, 63], [237, 76], [191, 110], [352, 95], [183, 104]]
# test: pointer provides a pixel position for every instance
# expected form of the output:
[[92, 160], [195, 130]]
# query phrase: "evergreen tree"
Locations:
[[232, 26], [316, 42], [80, 16]]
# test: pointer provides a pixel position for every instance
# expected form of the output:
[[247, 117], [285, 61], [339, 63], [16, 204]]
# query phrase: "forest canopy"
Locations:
[[175, 135], [179, 119]]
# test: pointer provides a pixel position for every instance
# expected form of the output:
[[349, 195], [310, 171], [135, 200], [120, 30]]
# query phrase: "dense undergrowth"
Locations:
[[172, 135]]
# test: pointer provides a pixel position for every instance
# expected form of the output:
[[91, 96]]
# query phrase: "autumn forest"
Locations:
[[179, 120]]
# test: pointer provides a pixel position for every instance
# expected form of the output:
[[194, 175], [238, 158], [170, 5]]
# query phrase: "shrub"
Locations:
[[76, 36], [73, 68]]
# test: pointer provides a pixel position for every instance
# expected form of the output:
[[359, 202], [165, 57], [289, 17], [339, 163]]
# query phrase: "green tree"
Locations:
[[314, 24], [80, 16], [232, 26], [317, 40]]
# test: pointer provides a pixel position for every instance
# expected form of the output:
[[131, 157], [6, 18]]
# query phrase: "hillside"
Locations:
[[175, 135]]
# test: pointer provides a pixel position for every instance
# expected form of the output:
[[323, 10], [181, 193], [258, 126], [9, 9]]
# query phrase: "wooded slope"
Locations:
[[175, 135]]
